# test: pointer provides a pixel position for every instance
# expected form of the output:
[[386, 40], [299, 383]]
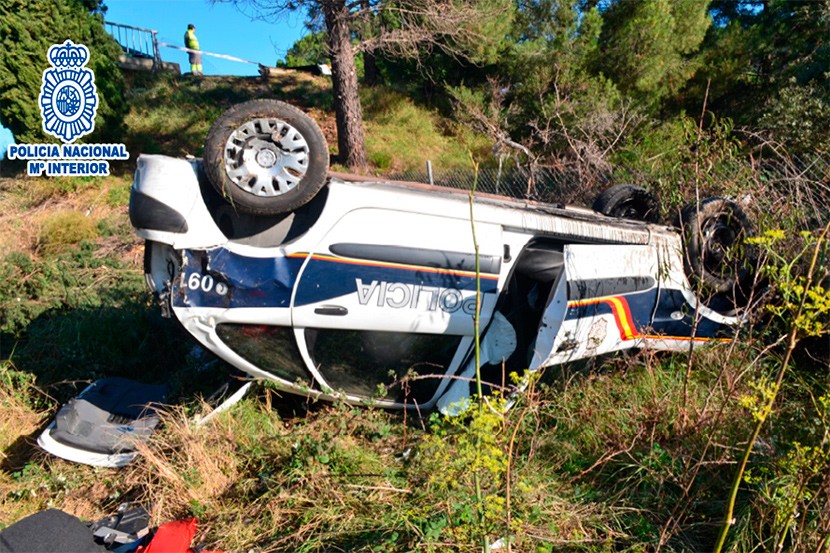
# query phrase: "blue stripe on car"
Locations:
[[222, 278], [326, 277]]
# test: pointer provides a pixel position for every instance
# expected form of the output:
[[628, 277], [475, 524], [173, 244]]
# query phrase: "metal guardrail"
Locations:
[[136, 41]]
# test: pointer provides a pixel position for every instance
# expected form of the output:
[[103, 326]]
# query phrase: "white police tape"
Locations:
[[223, 56]]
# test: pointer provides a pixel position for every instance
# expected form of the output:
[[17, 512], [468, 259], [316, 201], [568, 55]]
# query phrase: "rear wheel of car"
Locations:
[[717, 254], [627, 201], [266, 157]]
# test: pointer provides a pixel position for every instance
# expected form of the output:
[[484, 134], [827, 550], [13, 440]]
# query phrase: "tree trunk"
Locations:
[[347, 110], [370, 69]]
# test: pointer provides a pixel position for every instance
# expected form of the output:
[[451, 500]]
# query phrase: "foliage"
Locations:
[[805, 302], [791, 491], [458, 450], [765, 66], [172, 115], [311, 49], [648, 48], [576, 79], [685, 160], [27, 30], [631, 453], [468, 30], [618, 431], [389, 113], [799, 116], [544, 105], [65, 281], [75, 305], [801, 297]]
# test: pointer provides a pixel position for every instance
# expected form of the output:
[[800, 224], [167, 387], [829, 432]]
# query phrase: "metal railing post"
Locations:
[[156, 54], [136, 41]]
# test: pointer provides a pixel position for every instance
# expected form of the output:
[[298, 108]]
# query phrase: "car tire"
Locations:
[[717, 255], [266, 157], [627, 201]]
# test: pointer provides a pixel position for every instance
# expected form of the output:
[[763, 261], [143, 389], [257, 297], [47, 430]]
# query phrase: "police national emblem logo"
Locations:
[[68, 102], [68, 98]]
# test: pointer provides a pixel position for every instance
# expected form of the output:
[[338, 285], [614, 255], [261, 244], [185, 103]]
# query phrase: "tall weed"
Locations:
[[803, 309]]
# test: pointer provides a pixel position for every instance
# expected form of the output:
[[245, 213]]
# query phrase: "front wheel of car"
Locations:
[[717, 255], [266, 157], [628, 201]]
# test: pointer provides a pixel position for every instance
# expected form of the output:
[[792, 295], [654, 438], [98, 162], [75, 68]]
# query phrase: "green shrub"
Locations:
[[73, 279], [118, 194], [381, 159], [63, 229], [402, 136], [114, 225], [28, 28]]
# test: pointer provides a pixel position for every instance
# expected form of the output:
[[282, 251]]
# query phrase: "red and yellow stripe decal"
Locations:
[[622, 314], [625, 322], [390, 265]]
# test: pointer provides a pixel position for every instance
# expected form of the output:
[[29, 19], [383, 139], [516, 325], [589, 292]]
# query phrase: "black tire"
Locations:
[[627, 201], [250, 162], [717, 255]]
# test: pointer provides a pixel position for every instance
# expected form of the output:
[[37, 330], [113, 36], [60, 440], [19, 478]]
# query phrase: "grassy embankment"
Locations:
[[631, 454]]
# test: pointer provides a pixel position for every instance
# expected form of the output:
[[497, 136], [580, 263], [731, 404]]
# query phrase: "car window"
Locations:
[[270, 348], [370, 364]]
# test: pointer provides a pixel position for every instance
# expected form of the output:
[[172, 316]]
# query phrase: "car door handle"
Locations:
[[334, 310]]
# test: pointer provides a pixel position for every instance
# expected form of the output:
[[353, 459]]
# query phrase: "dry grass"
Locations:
[[186, 466], [19, 230], [63, 229], [256, 481], [31, 205], [18, 418]]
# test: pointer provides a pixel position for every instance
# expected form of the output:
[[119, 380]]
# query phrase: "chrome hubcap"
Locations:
[[266, 157]]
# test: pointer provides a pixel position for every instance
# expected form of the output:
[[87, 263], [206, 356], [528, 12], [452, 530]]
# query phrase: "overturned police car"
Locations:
[[364, 289]]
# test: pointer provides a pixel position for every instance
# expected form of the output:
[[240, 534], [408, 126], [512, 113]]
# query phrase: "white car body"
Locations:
[[378, 270]]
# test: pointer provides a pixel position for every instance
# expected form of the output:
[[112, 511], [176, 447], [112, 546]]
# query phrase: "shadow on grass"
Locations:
[[20, 452], [67, 349]]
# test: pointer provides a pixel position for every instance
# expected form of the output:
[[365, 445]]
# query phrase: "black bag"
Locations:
[[49, 531]]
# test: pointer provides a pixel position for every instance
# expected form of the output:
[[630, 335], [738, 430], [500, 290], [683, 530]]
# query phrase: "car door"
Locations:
[[390, 293], [605, 304]]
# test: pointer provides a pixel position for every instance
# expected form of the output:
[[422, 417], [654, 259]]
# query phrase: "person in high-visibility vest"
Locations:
[[192, 43]]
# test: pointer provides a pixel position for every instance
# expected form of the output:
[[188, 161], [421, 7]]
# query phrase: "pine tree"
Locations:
[[648, 47]]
